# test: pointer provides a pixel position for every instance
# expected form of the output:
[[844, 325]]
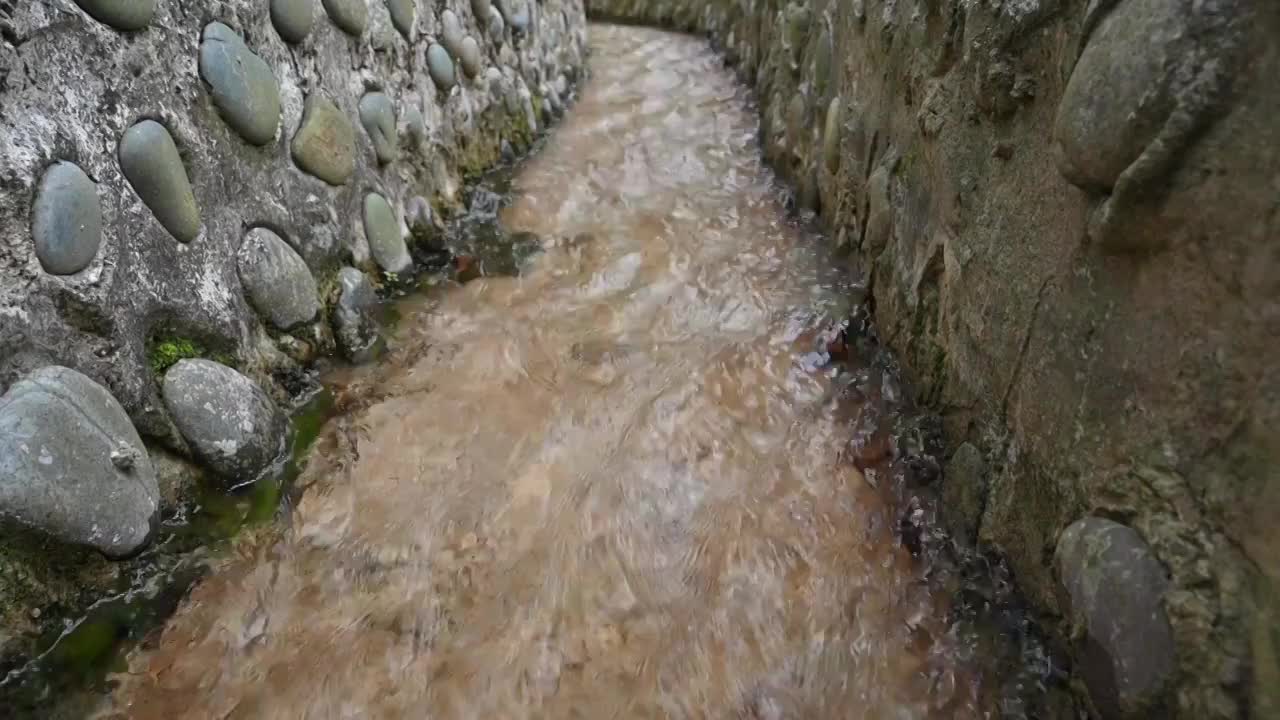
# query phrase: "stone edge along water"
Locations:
[[191, 213]]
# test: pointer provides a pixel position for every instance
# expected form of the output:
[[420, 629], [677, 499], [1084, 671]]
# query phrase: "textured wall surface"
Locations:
[[225, 180], [1068, 213]]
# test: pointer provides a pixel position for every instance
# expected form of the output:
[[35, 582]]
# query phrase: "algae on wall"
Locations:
[[1064, 210]]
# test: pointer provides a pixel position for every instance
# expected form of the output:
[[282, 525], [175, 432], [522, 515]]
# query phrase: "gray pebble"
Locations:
[[440, 67], [480, 9], [355, 316], [350, 16], [378, 116], [1115, 588], [415, 126], [59, 431], [227, 419], [402, 16], [516, 13], [497, 26], [241, 83], [451, 33], [470, 57], [154, 168], [277, 280], [386, 241], [120, 14], [293, 18], [325, 144], [66, 222]]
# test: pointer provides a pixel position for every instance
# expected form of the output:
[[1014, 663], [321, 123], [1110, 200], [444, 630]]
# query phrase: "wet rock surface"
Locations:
[[230, 423], [386, 241], [66, 221], [293, 19], [1115, 588], [241, 83], [355, 316], [150, 160], [120, 14], [351, 16], [325, 144], [378, 116], [277, 280], [72, 465]]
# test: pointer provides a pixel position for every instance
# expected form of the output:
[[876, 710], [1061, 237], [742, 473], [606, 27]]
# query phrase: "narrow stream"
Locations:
[[623, 483]]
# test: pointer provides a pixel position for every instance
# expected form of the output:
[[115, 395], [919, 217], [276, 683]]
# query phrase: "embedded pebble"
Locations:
[[120, 14], [241, 83], [440, 67], [480, 9], [151, 163], [66, 221], [831, 136], [451, 33], [516, 13], [422, 224], [496, 24], [230, 422], [386, 241], [1116, 589], [293, 18], [415, 126], [355, 315], [325, 144], [277, 280], [378, 117], [58, 433], [403, 13], [470, 57], [350, 16]]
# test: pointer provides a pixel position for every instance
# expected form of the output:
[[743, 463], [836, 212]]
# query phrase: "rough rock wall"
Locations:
[[217, 181], [1068, 213]]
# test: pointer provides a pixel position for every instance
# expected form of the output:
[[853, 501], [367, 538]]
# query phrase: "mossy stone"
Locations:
[[293, 18], [120, 14], [151, 163], [440, 67], [66, 222], [470, 57], [386, 241], [403, 13], [378, 117], [351, 16], [241, 84], [325, 144]]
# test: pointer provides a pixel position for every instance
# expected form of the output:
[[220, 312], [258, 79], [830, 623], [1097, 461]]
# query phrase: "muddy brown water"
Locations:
[[615, 486]]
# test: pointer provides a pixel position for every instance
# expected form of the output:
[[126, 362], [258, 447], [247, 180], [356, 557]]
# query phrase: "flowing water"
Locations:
[[617, 485]]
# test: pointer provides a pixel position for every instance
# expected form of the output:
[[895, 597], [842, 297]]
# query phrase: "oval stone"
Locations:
[[354, 318], [350, 16], [480, 9], [378, 116], [277, 280], [386, 241], [1119, 94], [293, 18], [496, 25], [1115, 587], [470, 57], [241, 84], [227, 419], [403, 13], [325, 144], [72, 465], [440, 67], [66, 221], [451, 33], [415, 125], [516, 13], [151, 163], [120, 14]]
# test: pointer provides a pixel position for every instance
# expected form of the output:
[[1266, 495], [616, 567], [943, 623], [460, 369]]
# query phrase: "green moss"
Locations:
[[166, 352]]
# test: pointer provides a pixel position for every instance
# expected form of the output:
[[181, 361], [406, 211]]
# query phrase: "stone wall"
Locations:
[[197, 199], [1068, 213]]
